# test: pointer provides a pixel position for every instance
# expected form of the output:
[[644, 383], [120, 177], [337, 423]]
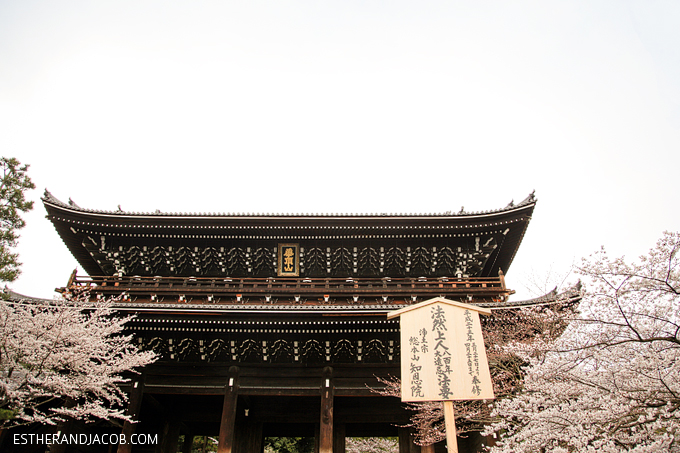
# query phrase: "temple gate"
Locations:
[[275, 325]]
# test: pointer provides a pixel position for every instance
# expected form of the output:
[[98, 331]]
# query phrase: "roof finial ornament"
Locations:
[[511, 204], [120, 209], [72, 203], [462, 210], [530, 198]]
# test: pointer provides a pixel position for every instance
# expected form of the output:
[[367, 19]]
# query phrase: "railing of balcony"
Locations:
[[291, 284]]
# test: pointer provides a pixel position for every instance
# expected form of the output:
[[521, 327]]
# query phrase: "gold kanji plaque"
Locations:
[[288, 260]]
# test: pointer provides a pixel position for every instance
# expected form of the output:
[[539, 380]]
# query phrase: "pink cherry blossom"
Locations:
[[63, 359], [611, 382]]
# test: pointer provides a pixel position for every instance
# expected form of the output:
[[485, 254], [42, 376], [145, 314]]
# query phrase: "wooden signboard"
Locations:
[[443, 356], [288, 260]]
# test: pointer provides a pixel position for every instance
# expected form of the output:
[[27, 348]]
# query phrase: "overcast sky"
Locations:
[[349, 106]]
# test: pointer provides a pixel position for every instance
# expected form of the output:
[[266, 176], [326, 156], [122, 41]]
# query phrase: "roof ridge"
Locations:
[[48, 197]]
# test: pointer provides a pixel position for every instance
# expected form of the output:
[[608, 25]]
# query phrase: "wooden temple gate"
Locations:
[[275, 325], [247, 371]]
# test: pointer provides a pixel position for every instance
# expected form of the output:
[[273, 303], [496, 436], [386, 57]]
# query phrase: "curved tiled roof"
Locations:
[[90, 234], [48, 198], [9, 294], [569, 296]]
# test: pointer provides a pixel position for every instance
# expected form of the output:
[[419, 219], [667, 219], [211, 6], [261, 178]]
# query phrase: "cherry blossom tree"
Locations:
[[63, 359], [611, 382]]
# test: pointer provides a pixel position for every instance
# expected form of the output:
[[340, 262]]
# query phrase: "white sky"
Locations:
[[351, 106]]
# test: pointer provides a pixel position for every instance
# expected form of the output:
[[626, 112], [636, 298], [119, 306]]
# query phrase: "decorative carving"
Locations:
[[281, 351], [375, 351], [369, 262], [158, 260], [421, 261], [445, 262], [344, 351], [263, 263], [185, 347], [250, 350], [156, 344], [237, 262], [397, 261], [314, 264], [181, 261], [210, 261], [312, 351], [215, 349], [342, 263], [132, 260]]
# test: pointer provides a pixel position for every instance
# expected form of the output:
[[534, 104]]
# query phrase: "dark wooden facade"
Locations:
[[275, 325]]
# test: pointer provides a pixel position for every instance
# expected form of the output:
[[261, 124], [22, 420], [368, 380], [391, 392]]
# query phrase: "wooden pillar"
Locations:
[[427, 448], [170, 437], [250, 437], [257, 438], [316, 438], [62, 428], [404, 440], [338, 438], [133, 410], [188, 441], [490, 440], [3, 437], [228, 421], [407, 442], [326, 424]]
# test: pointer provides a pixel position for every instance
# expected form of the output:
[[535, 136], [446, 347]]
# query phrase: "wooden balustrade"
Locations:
[[288, 284], [292, 289]]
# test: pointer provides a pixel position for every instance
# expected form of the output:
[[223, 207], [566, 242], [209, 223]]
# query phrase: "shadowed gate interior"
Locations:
[[259, 417]]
